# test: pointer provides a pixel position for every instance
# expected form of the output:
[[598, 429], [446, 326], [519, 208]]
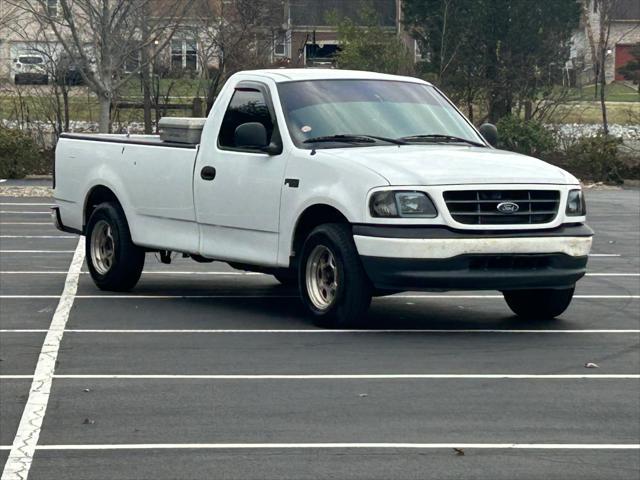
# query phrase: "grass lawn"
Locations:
[[589, 112], [615, 92], [38, 103], [81, 108]]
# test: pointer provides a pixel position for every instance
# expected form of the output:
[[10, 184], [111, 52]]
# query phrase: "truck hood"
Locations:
[[451, 165]]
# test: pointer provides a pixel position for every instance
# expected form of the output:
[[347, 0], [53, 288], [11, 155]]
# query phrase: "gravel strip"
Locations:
[[20, 191]]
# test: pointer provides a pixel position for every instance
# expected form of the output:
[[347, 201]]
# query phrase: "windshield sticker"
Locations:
[[305, 129]]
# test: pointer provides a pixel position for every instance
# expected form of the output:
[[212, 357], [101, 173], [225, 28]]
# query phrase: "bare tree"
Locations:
[[599, 44], [105, 38], [598, 30], [7, 14], [234, 35]]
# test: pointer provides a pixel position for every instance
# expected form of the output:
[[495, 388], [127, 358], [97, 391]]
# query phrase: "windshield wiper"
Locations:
[[439, 137], [353, 138]]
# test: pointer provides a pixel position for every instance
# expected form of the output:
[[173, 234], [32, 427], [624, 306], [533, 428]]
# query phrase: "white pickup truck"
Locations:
[[348, 184]]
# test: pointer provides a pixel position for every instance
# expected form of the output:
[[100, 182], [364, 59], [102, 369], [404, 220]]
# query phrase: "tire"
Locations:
[[115, 263], [539, 304], [347, 301]]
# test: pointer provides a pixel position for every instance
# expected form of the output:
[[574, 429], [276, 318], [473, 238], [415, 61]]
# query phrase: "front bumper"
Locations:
[[444, 259], [32, 77]]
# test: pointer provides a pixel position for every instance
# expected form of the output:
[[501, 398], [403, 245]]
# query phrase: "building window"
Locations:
[[184, 55], [280, 44], [52, 8]]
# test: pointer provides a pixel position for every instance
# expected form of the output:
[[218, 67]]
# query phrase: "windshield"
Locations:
[[391, 109], [30, 60]]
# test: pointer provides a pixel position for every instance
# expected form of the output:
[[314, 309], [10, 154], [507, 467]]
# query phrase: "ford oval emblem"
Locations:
[[508, 207]]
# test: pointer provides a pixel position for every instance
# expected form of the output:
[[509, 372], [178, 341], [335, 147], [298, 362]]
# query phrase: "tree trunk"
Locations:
[[146, 87], [603, 104], [105, 114], [65, 105], [500, 106], [145, 72]]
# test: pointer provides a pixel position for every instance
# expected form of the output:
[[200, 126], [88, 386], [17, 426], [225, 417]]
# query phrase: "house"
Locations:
[[22, 33], [625, 32], [309, 38], [287, 33]]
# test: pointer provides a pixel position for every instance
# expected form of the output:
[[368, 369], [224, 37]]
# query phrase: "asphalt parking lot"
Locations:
[[205, 372]]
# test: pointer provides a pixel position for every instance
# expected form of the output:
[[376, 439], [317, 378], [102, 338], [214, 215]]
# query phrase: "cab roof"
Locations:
[[281, 75]]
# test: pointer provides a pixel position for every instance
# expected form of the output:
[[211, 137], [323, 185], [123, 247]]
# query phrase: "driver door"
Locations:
[[239, 208]]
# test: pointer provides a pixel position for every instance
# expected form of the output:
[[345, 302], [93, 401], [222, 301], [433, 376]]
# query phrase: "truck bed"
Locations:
[[153, 180]]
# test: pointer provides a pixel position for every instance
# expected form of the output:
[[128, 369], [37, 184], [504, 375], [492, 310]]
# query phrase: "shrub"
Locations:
[[19, 154], [525, 136], [597, 158]]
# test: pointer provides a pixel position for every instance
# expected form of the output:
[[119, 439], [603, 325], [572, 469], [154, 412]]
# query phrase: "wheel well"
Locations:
[[97, 195], [312, 217]]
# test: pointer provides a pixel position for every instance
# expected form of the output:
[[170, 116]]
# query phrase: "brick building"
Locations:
[[625, 32]]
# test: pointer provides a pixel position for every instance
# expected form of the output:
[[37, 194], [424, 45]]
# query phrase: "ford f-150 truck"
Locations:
[[348, 184]]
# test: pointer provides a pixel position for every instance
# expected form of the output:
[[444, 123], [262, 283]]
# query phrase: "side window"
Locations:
[[247, 105]]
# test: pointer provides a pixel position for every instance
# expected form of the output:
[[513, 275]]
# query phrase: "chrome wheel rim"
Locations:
[[102, 247], [322, 277]]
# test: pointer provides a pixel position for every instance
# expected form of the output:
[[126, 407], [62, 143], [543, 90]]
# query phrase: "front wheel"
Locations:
[[333, 284], [114, 262], [539, 304]]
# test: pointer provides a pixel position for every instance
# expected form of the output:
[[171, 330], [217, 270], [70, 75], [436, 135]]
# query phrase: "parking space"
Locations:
[[207, 372]]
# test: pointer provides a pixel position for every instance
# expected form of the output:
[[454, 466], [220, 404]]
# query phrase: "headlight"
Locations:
[[576, 206], [392, 204]]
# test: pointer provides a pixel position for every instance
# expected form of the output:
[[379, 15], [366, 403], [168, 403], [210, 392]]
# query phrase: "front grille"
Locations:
[[480, 207]]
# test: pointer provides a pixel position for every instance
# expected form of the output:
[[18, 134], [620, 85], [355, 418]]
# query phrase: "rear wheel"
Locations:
[[115, 263], [539, 304], [333, 284]]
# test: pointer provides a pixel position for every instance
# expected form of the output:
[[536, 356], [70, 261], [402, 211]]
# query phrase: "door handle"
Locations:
[[208, 173]]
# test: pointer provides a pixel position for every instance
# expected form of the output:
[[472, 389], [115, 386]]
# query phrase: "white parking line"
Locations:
[[150, 272], [170, 272], [26, 439], [412, 297], [605, 255], [382, 376], [25, 204], [319, 446], [365, 376], [37, 251], [39, 236], [149, 297], [324, 331], [613, 274], [26, 223], [500, 296], [23, 212]]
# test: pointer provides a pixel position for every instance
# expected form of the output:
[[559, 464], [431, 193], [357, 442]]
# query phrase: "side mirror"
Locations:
[[490, 133], [251, 135]]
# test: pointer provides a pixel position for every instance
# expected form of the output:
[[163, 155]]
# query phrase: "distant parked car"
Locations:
[[30, 68]]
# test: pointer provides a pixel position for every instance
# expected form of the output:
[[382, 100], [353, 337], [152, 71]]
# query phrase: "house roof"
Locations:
[[314, 13], [626, 10]]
